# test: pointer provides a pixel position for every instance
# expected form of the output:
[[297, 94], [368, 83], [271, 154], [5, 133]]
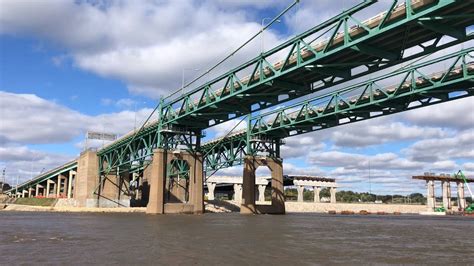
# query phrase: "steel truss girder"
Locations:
[[136, 154], [373, 101], [301, 54], [369, 97]]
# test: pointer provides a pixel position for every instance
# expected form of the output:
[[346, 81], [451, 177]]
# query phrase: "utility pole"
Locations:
[[3, 181], [17, 177]]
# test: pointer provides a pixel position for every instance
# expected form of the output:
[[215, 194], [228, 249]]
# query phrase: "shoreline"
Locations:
[[216, 206]]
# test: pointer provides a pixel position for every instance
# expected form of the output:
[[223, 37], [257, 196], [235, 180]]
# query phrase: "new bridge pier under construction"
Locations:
[[163, 165]]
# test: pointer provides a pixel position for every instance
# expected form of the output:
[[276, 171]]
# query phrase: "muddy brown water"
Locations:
[[232, 239]]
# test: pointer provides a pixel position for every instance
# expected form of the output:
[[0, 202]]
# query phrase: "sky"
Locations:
[[67, 67]]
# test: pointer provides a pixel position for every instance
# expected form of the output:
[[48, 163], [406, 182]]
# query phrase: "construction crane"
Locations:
[[469, 209]]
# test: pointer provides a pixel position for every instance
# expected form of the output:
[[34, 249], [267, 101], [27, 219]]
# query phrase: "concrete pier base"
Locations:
[[248, 206], [300, 190], [430, 197], [461, 198], [210, 188], [87, 179], [157, 203], [317, 198]]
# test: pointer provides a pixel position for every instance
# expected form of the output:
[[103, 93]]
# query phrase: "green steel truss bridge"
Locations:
[[336, 51], [370, 99], [339, 50]]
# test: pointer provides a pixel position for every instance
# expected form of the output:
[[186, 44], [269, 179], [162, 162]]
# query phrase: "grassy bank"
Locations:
[[47, 202]]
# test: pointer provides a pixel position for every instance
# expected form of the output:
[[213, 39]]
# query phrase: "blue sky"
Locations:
[[69, 66]]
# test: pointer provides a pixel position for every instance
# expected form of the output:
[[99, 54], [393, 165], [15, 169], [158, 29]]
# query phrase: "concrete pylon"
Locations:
[[317, 190], [58, 192], [461, 198], [157, 179], [300, 190], [449, 195], [444, 187], [238, 192], [333, 194], [72, 175], [37, 191], [248, 206], [261, 193], [430, 198], [87, 179], [210, 188]]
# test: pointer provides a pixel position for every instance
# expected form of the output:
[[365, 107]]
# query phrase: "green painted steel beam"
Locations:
[[374, 51], [303, 55], [456, 33], [375, 101]]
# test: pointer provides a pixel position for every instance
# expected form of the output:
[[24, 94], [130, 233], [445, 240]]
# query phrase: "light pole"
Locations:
[[182, 77], [263, 32]]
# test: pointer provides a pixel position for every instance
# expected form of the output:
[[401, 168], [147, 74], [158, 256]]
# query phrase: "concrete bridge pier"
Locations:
[[261, 192], [317, 198], [461, 198], [248, 206], [333, 194], [238, 192], [446, 187], [210, 188], [300, 190], [430, 198], [37, 192], [157, 203]]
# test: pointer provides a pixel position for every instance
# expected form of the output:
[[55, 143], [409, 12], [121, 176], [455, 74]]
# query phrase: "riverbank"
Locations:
[[216, 206]]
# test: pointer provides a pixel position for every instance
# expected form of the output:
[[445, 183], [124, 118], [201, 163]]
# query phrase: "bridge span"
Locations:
[[164, 165]]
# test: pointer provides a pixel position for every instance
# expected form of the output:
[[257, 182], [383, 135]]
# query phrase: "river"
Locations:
[[232, 239]]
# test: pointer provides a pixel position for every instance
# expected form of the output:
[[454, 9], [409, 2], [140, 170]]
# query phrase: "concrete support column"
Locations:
[[430, 198], [196, 162], [261, 192], [23, 193], [238, 192], [461, 198], [157, 183], [156, 203], [37, 190], [444, 188], [46, 194], [300, 190], [333, 194], [58, 192], [317, 190], [72, 174], [248, 186], [449, 195], [30, 192], [210, 188], [278, 194], [86, 179]]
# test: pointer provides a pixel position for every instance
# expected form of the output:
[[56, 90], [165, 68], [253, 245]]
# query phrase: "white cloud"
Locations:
[[143, 43], [25, 163], [27, 118]]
